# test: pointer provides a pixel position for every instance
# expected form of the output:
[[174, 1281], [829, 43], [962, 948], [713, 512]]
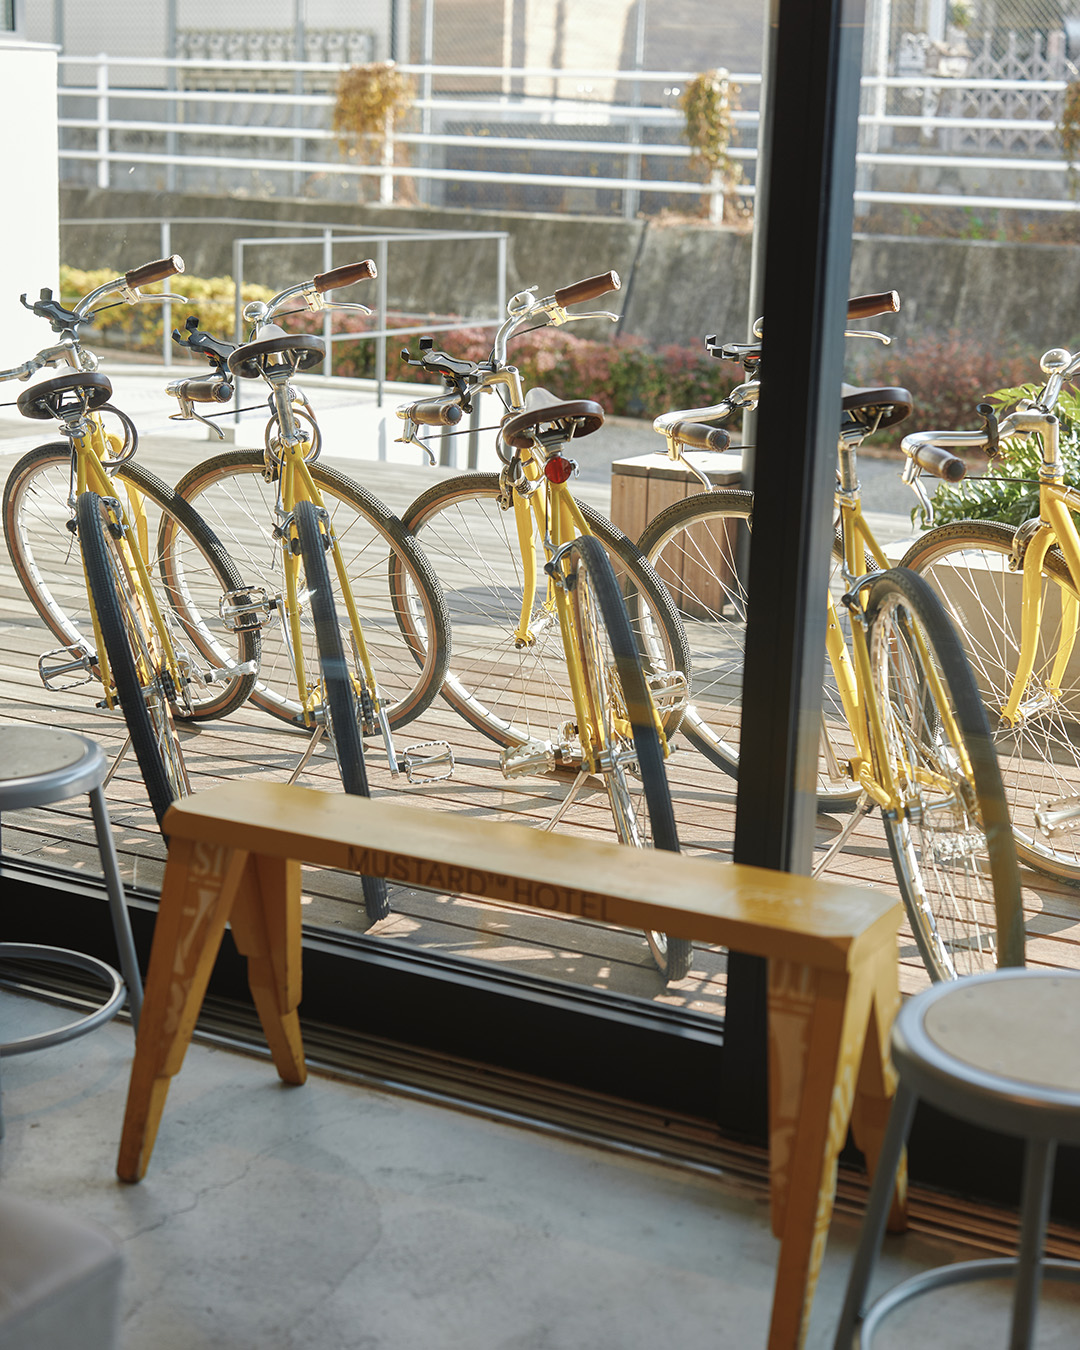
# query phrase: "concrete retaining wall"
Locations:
[[679, 281]]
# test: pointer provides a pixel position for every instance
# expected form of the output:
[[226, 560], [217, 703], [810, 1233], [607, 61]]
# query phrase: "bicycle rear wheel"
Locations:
[[517, 694], [341, 704], [238, 495], [623, 733], [133, 647], [38, 510], [971, 567], [952, 845], [694, 546]]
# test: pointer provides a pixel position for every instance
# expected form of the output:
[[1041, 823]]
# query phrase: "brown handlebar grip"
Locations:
[[701, 437], [345, 276], [207, 391], [941, 463], [150, 272], [588, 289], [436, 414], [866, 306]]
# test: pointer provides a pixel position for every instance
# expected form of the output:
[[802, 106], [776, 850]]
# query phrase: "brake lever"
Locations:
[[409, 437], [868, 333]]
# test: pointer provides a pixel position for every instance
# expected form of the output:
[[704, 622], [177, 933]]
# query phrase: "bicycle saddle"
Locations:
[[47, 399], [302, 350], [543, 409], [894, 403]]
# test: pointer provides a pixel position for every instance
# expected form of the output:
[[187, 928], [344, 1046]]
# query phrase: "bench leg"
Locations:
[[817, 1026], [876, 1087], [265, 922], [201, 881]]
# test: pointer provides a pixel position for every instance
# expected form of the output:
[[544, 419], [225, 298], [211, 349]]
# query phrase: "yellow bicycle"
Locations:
[[80, 516], [320, 550], [566, 650], [1013, 596], [902, 728]]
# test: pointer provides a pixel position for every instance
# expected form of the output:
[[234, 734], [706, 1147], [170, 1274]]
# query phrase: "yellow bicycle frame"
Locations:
[[297, 484], [93, 448], [559, 521], [872, 766]]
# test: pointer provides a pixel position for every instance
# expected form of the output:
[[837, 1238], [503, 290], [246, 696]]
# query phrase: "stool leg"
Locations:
[[877, 1213], [1034, 1211], [121, 921]]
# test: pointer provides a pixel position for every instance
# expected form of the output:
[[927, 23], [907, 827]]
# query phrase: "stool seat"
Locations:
[[39, 766], [996, 1050]]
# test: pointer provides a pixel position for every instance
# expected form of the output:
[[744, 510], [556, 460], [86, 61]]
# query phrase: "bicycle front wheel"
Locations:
[[519, 693], [951, 842], [970, 565], [623, 733], [238, 495], [694, 547], [136, 661], [219, 661], [341, 703]]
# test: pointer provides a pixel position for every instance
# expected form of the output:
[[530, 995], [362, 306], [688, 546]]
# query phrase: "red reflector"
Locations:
[[558, 469]]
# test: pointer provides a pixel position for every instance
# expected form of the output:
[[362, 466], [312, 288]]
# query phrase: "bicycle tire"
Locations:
[[341, 704], [952, 846], [691, 546], [616, 687], [36, 511], [237, 493], [512, 694], [141, 683], [970, 566]]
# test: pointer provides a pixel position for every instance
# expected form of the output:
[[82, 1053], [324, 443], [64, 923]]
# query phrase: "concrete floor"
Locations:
[[335, 1217]]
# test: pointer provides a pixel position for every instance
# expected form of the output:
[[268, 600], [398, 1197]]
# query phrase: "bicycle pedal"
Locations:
[[223, 674], [1058, 817], [244, 610], [516, 761], [669, 690], [73, 665], [413, 761]]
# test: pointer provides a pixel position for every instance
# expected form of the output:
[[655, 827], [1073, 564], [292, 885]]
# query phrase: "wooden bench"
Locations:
[[235, 856]]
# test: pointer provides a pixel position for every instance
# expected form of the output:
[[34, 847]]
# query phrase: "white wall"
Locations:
[[30, 224]]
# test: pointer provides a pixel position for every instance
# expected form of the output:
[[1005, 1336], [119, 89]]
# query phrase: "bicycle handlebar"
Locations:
[[150, 272], [936, 460], [435, 412], [698, 436], [866, 306], [347, 275], [591, 288], [208, 390]]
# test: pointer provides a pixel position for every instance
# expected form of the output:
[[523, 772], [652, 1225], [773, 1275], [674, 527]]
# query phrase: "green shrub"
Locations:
[[139, 327]]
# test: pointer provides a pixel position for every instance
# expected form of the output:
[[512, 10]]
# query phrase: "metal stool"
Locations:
[[996, 1050], [39, 766]]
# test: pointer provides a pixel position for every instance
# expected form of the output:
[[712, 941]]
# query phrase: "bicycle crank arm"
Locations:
[[424, 755]]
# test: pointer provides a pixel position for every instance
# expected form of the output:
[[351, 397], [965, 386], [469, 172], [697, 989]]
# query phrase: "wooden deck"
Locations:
[[252, 744]]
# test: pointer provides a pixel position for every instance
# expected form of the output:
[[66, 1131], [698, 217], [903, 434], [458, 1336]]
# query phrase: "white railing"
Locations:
[[172, 131]]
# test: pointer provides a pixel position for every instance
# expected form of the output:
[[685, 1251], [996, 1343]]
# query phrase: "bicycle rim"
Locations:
[[136, 661], [623, 735], [969, 565], [952, 845]]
